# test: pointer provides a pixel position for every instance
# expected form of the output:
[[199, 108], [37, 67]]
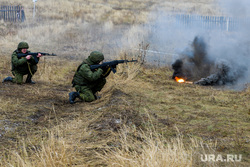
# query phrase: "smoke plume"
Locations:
[[204, 52]]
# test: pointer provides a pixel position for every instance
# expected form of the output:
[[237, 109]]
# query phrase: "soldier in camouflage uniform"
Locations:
[[88, 82], [22, 66]]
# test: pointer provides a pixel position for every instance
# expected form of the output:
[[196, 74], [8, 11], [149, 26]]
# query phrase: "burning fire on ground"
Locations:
[[180, 80], [195, 65]]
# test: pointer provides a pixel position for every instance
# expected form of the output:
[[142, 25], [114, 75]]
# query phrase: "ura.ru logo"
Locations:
[[220, 158]]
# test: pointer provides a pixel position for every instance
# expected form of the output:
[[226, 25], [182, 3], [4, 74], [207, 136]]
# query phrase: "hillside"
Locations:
[[149, 100], [143, 118]]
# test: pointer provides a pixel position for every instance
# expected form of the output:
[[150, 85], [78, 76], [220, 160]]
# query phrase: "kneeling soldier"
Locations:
[[88, 82], [23, 65]]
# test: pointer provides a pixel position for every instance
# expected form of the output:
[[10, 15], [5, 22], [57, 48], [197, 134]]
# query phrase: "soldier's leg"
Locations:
[[85, 92], [99, 85], [33, 69], [28, 79], [18, 77]]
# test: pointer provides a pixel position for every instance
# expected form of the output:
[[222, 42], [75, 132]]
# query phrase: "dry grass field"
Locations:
[[144, 118]]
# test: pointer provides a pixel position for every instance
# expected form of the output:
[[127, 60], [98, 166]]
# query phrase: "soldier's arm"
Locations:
[[33, 61], [90, 75], [16, 62]]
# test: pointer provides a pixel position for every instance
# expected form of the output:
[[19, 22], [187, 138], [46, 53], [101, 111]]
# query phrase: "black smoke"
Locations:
[[206, 47], [177, 67], [195, 64]]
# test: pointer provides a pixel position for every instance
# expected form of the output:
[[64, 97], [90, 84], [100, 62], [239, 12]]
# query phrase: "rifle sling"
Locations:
[[107, 72], [30, 69]]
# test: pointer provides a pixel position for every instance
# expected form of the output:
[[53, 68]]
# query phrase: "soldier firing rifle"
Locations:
[[23, 63]]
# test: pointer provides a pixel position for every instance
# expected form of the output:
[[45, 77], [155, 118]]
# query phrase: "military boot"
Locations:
[[8, 79], [73, 96], [28, 79], [97, 96]]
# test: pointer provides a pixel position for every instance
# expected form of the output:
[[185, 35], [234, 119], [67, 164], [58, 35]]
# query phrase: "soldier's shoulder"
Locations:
[[84, 65], [14, 52]]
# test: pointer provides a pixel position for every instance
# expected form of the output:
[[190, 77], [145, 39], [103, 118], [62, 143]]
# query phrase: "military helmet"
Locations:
[[96, 57], [23, 45]]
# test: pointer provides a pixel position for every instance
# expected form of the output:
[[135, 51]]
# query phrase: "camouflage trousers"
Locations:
[[87, 92], [18, 76]]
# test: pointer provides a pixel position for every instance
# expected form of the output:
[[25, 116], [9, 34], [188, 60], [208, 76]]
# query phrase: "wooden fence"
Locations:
[[12, 13], [209, 22]]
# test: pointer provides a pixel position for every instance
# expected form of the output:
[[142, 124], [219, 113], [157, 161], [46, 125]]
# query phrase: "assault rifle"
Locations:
[[34, 54], [111, 64]]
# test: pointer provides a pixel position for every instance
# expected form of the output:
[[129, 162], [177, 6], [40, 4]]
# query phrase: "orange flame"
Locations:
[[180, 80]]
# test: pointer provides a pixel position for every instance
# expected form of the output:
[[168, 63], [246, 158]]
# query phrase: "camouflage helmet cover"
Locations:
[[23, 45], [96, 57]]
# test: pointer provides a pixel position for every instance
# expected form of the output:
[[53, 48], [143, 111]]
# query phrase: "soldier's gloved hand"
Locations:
[[28, 57], [39, 55], [100, 70]]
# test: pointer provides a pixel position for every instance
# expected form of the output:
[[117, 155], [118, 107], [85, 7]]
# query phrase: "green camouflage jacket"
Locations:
[[84, 75], [21, 64]]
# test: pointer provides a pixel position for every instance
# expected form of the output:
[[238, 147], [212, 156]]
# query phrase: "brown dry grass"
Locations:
[[149, 99]]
